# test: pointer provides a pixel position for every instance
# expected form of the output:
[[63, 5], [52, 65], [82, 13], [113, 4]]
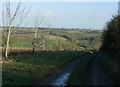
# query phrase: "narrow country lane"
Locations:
[[96, 74], [61, 78]]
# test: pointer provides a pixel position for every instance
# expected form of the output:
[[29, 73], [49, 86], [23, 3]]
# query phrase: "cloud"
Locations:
[[49, 13], [58, 14]]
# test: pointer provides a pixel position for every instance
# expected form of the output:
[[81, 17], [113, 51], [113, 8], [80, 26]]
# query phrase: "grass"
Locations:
[[21, 42], [52, 42], [85, 35], [111, 67], [26, 68], [78, 77]]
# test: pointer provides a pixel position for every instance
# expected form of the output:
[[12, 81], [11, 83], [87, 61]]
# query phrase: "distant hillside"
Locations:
[[55, 38]]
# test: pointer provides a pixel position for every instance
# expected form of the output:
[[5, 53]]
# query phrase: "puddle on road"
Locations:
[[61, 80]]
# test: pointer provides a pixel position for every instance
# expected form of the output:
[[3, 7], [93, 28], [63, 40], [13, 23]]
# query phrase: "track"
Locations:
[[60, 78], [96, 74]]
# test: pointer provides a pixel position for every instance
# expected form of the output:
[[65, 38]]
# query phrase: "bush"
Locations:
[[111, 36]]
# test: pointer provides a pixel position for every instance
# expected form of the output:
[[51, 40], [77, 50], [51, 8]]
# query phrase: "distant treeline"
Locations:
[[65, 29]]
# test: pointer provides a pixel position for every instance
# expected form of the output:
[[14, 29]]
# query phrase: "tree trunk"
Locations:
[[33, 50], [7, 45], [36, 33], [35, 36]]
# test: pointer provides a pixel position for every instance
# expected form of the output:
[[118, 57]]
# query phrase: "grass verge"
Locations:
[[26, 68], [111, 67], [78, 77]]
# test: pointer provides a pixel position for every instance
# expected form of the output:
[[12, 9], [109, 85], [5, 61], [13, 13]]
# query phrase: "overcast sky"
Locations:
[[73, 14]]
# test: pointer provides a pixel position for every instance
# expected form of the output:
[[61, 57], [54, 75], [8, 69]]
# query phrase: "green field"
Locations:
[[52, 42], [82, 35], [55, 40], [27, 68]]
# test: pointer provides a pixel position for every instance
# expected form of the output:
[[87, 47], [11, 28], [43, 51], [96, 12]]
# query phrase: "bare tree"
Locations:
[[10, 18], [38, 21]]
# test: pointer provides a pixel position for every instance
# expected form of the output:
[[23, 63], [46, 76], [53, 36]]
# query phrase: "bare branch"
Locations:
[[23, 16], [16, 12], [9, 20]]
